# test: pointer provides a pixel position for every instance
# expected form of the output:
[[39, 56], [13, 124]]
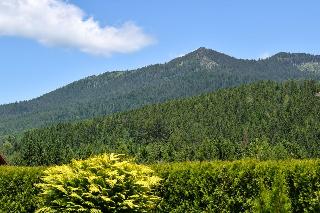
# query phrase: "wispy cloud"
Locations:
[[264, 55], [175, 55], [59, 23]]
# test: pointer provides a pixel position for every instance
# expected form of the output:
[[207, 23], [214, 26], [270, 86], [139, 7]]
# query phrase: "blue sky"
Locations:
[[35, 62]]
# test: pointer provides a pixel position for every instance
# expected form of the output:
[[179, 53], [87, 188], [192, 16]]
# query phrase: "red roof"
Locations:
[[2, 161]]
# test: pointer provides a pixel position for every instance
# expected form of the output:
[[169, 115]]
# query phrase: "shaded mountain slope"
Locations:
[[264, 120], [201, 71]]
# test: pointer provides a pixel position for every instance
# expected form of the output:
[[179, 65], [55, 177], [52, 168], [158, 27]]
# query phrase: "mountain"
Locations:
[[264, 120], [198, 72]]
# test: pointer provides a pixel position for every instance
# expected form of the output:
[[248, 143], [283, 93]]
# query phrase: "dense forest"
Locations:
[[198, 72], [264, 120]]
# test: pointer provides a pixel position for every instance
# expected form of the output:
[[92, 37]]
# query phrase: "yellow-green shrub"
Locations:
[[106, 183]]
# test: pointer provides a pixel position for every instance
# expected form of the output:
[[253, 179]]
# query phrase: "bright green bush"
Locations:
[[240, 186], [106, 183], [17, 191]]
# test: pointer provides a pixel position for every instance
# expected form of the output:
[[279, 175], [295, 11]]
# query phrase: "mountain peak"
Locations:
[[295, 58], [205, 58], [204, 51], [283, 55], [209, 55]]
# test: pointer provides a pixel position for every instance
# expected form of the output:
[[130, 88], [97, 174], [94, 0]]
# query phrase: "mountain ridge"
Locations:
[[200, 71], [198, 52]]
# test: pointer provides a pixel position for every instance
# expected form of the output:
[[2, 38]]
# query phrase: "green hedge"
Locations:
[[17, 191], [239, 186]]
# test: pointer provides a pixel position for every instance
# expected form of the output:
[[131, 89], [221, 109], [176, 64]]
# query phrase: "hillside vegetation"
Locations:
[[198, 72], [264, 120]]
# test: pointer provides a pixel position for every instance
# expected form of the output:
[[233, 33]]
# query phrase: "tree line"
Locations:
[[264, 120]]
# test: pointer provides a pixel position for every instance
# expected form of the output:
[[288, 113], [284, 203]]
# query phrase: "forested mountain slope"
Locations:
[[201, 71], [264, 120]]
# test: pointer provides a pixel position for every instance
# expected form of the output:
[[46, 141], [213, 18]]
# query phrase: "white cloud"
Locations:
[[264, 55], [180, 55], [175, 55], [59, 23]]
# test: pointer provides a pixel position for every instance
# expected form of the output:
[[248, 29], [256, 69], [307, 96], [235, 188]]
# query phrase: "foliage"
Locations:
[[264, 120], [9, 147], [218, 186], [275, 199], [201, 71], [17, 191], [105, 183], [240, 186]]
